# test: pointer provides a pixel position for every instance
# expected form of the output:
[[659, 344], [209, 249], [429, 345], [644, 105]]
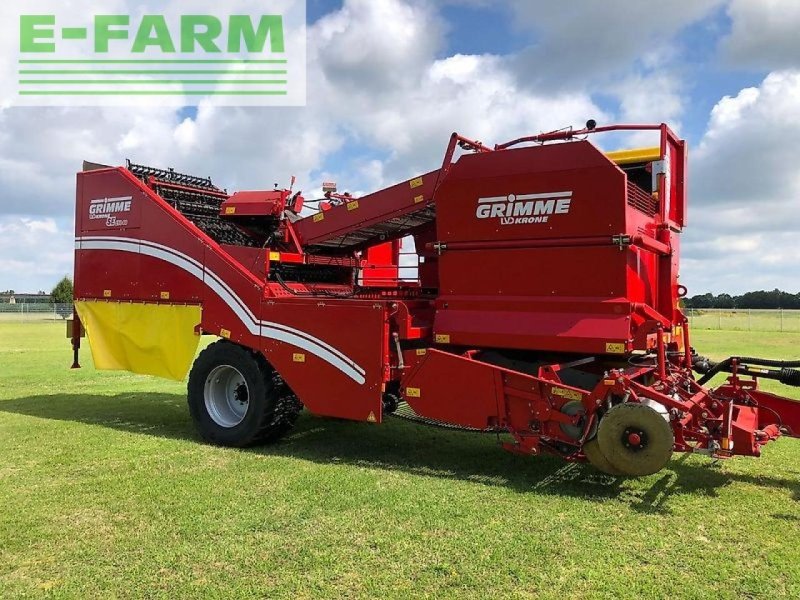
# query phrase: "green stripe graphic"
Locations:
[[149, 72], [150, 69], [152, 81], [153, 62], [151, 93]]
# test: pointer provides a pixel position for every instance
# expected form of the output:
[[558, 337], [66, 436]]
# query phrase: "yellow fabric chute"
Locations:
[[149, 339]]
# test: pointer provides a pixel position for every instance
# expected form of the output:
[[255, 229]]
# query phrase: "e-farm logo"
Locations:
[[524, 209], [185, 55]]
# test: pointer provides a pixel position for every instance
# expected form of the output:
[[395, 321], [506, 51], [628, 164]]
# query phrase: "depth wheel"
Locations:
[[635, 439], [236, 399], [598, 460], [572, 408]]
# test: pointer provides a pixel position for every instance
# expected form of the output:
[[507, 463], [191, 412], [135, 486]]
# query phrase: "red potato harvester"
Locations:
[[543, 303]]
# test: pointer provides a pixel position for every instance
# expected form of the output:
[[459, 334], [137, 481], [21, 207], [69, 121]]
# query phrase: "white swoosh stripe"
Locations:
[[223, 290], [266, 329]]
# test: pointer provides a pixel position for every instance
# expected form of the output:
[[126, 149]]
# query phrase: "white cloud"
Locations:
[[658, 97], [651, 99], [376, 47], [42, 149], [747, 153], [763, 34], [714, 262], [745, 192], [34, 253], [589, 41]]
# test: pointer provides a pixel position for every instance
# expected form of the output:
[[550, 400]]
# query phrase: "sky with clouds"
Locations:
[[389, 80]]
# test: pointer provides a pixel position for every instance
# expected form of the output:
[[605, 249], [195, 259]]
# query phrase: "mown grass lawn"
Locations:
[[105, 491]]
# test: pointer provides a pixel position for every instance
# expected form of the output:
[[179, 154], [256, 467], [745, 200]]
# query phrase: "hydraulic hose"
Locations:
[[788, 373]]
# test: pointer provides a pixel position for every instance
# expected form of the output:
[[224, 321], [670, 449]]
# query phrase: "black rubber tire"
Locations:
[[645, 461], [272, 407]]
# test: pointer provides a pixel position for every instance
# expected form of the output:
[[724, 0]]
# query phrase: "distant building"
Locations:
[[40, 298]]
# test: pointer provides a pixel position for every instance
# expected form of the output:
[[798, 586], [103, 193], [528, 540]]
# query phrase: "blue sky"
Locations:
[[389, 80]]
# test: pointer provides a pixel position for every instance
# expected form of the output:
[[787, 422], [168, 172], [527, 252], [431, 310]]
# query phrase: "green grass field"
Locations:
[[106, 492], [745, 320]]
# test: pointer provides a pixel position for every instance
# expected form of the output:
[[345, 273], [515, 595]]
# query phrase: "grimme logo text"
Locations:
[[524, 208], [110, 209]]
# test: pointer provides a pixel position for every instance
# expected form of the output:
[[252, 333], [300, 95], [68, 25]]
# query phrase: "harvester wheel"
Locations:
[[635, 439], [572, 408], [598, 460], [237, 399]]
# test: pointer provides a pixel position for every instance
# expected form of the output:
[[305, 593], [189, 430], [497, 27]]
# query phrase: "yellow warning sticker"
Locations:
[[371, 418], [230, 210], [421, 351], [165, 295], [419, 199], [413, 393], [566, 393], [299, 357], [415, 183], [609, 382], [352, 205], [442, 338], [106, 293], [275, 256], [225, 334], [319, 217], [614, 348]]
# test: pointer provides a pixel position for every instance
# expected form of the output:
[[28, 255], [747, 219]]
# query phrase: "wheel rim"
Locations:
[[227, 396], [635, 439]]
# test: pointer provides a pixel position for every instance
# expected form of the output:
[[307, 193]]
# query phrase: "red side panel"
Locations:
[[335, 363], [259, 203], [454, 389], [382, 261], [568, 326]]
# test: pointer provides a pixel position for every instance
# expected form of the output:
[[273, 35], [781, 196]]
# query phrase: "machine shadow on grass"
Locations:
[[402, 446]]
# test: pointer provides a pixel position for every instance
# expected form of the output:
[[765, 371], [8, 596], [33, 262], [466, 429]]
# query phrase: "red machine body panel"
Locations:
[[255, 203], [446, 387], [335, 375], [527, 239], [551, 192]]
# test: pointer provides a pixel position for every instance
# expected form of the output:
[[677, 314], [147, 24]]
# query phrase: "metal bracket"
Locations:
[[659, 167], [621, 240], [440, 248]]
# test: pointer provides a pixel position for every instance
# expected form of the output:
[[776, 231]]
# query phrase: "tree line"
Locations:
[[761, 300]]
